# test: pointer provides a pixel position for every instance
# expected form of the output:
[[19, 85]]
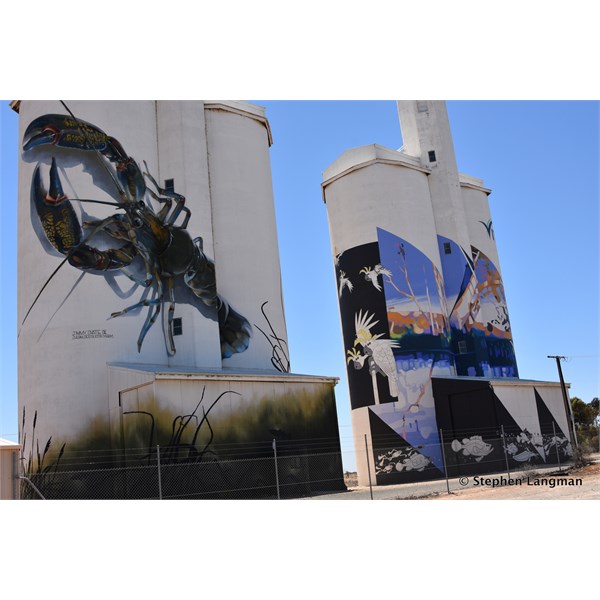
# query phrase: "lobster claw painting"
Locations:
[[146, 239]]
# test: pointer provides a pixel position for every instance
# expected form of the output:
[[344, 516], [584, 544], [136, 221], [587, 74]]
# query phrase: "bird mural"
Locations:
[[488, 228], [377, 353], [371, 274], [344, 283]]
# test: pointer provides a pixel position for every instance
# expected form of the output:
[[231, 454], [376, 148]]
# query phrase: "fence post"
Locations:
[[16, 484], [158, 466], [368, 466], [505, 454], [556, 445], [307, 457], [444, 457], [25, 478], [276, 469], [32, 485]]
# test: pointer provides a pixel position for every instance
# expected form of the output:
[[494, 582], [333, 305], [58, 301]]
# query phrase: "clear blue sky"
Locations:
[[541, 161]]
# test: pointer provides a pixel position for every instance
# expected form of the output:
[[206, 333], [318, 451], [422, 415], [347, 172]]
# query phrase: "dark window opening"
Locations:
[[432, 156], [169, 185], [447, 248], [177, 326]]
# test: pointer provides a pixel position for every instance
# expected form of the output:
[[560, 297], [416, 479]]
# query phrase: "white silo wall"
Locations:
[[378, 187], [183, 157], [68, 339], [425, 130], [392, 304], [244, 227], [492, 315], [479, 218]]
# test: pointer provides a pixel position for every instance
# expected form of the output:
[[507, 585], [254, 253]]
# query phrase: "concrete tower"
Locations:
[[426, 135], [463, 226], [420, 293], [149, 281]]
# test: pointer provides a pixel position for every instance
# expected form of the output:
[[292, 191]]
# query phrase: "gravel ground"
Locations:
[[577, 484], [541, 484]]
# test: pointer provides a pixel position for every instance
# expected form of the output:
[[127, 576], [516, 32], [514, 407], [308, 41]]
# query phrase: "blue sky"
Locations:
[[541, 161]]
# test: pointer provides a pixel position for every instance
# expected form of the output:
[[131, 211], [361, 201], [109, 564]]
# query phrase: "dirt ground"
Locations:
[[576, 484]]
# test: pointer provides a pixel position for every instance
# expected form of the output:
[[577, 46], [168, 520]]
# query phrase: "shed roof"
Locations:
[[8, 444]]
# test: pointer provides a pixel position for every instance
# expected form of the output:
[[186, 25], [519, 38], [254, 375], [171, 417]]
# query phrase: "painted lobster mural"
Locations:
[[149, 244]]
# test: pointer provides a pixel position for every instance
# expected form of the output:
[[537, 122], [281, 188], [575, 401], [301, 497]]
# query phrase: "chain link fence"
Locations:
[[282, 470], [455, 458], [162, 477], [470, 452]]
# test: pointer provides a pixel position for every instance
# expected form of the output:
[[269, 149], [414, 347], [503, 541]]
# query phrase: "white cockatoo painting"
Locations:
[[376, 352], [371, 274], [344, 283]]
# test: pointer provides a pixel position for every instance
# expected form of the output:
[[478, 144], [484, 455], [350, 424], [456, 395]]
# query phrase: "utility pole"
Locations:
[[568, 409]]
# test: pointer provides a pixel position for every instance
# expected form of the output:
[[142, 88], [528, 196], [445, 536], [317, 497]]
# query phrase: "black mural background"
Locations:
[[363, 296], [556, 440], [390, 449], [466, 410]]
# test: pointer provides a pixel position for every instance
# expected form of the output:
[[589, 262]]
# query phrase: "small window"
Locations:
[[177, 326], [462, 347], [432, 156], [169, 185], [447, 248]]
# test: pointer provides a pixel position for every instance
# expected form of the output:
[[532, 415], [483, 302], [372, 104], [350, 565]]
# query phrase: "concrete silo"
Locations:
[[149, 286], [423, 308]]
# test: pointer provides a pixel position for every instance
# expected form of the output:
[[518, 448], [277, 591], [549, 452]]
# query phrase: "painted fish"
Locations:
[[473, 446], [416, 461], [525, 455]]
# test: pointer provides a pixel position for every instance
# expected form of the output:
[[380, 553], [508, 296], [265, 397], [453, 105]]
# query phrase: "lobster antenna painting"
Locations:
[[148, 244]]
